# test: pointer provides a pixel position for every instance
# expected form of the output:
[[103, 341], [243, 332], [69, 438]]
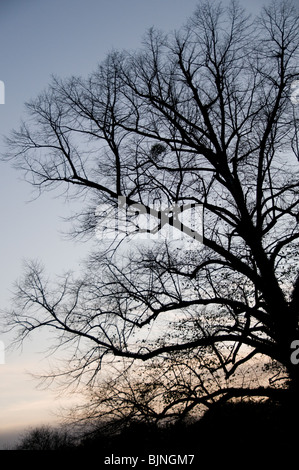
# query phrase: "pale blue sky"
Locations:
[[39, 38]]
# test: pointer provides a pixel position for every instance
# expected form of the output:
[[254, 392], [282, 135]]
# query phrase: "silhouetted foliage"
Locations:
[[200, 117], [45, 438], [261, 432], [238, 424]]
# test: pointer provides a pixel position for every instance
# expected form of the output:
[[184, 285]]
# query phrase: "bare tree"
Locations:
[[45, 438], [198, 118]]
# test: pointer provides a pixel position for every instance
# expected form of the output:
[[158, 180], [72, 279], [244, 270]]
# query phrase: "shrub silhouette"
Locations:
[[233, 428], [45, 438]]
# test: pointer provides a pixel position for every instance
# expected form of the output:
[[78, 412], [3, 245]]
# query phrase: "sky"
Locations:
[[39, 38]]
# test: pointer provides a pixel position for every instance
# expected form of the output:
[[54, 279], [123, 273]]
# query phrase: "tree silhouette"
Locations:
[[201, 118], [45, 438]]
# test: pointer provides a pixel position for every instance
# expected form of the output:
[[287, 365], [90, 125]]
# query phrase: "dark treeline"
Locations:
[[243, 428]]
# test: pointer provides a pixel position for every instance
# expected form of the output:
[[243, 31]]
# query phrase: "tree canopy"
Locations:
[[195, 131]]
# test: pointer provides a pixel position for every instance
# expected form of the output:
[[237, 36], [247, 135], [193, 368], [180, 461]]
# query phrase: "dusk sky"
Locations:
[[39, 38]]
